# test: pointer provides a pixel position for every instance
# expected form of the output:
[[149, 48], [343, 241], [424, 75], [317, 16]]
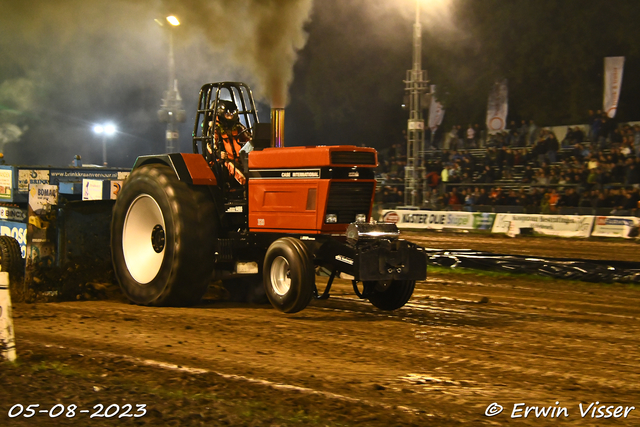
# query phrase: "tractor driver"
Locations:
[[234, 136]]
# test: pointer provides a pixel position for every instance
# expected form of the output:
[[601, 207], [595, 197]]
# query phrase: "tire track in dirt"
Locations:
[[444, 353], [602, 249], [559, 350]]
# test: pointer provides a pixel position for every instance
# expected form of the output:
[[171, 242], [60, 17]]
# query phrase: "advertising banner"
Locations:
[[41, 229], [551, 225], [6, 182], [613, 67], [436, 111], [434, 220], [28, 177], [483, 220], [92, 189], [76, 175], [13, 214], [498, 107], [16, 230], [614, 226], [438, 220], [116, 186]]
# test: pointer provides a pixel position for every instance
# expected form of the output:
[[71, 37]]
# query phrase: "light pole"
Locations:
[[171, 111], [104, 130], [416, 88]]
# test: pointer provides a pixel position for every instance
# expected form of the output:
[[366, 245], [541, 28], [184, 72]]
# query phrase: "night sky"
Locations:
[[337, 65]]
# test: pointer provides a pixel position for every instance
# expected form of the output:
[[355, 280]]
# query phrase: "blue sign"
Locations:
[[16, 230]]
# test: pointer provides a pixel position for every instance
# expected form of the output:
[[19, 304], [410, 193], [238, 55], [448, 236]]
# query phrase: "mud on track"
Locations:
[[462, 343], [592, 248]]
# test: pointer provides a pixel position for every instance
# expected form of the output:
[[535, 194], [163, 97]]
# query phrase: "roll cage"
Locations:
[[210, 96]]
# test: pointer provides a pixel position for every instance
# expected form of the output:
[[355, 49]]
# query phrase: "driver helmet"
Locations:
[[227, 112]]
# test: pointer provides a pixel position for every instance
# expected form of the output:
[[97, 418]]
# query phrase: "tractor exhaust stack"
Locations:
[[277, 127]]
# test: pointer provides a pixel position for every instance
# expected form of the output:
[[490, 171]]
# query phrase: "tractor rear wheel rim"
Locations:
[[280, 275], [143, 255]]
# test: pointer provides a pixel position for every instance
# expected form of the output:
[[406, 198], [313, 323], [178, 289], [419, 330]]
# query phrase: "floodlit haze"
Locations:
[[72, 63], [337, 65]]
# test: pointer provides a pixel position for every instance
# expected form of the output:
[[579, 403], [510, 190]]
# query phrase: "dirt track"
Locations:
[[607, 249], [462, 343]]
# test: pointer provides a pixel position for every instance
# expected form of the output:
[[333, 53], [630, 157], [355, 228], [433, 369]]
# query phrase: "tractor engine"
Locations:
[[310, 189]]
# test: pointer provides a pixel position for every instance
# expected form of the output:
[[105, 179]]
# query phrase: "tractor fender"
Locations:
[[191, 168]]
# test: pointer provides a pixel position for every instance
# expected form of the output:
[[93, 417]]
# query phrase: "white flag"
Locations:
[[613, 67], [436, 112], [498, 107]]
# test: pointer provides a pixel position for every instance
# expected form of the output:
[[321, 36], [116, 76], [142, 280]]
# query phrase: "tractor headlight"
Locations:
[[331, 219], [361, 218]]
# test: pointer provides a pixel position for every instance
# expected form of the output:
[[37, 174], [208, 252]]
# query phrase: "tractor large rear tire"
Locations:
[[289, 275], [11, 259], [392, 296], [162, 238]]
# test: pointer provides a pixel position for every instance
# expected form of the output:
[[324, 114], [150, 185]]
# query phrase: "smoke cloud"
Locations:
[[17, 102], [262, 36], [70, 64]]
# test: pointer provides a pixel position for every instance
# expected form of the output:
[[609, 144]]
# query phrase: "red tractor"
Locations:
[[182, 220]]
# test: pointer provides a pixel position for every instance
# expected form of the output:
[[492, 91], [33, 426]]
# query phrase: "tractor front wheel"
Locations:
[[390, 296], [288, 275]]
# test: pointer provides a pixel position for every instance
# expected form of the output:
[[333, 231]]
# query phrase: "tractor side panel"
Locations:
[[301, 205], [283, 205], [293, 189]]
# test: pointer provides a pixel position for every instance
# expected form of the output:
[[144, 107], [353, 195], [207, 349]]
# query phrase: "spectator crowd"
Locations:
[[596, 166]]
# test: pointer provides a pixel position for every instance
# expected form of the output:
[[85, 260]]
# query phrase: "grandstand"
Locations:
[[584, 174]]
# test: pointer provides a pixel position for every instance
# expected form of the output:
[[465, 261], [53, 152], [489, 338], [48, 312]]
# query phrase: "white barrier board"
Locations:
[[7, 339], [614, 226], [91, 189], [433, 220], [551, 225]]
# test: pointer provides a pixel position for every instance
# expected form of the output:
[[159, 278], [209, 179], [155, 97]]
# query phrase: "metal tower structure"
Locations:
[[171, 111], [416, 87]]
